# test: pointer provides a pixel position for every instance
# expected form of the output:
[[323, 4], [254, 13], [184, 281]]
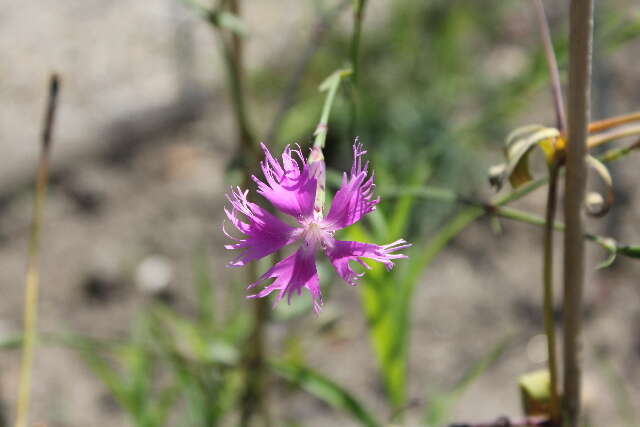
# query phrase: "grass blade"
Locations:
[[326, 390], [439, 408]]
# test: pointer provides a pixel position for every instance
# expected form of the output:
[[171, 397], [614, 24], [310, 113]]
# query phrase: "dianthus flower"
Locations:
[[292, 187]]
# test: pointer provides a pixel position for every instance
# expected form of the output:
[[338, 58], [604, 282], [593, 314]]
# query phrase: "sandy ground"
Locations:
[[108, 212]]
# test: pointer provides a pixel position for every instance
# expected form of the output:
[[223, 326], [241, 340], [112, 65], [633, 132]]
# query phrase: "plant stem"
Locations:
[[288, 98], [605, 124], [316, 158], [547, 278], [597, 140], [358, 17], [233, 59], [331, 85], [580, 44], [254, 398], [552, 63], [359, 7], [33, 274], [496, 209], [618, 153]]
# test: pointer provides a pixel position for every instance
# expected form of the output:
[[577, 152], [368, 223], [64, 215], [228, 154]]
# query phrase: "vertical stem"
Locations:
[[316, 159], [32, 277], [580, 40], [548, 287], [233, 56], [358, 17], [254, 395], [552, 63]]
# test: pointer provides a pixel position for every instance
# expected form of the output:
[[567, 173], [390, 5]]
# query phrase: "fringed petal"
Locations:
[[290, 187], [263, 232], [293, 273], [354, 199], [342, 252]]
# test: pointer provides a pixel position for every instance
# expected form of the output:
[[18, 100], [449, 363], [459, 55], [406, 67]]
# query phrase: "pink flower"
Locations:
[[291, 187]]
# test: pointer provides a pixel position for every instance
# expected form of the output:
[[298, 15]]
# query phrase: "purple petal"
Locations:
[[354, 198], [290, 187], [264, 232], [293, 273], [342, 252]]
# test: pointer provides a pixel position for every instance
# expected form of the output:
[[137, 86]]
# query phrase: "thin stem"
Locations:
[[331, 85], [233, 59], [358, 18], [605, 124], [496, 209], [618, 153], [548, 287], [316, 158], [554, 74], [254, 398], [597, 140], [288, 98], [580, 45], [33, 274], [359, 7]]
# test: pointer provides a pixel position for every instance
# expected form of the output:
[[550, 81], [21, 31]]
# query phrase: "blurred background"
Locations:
[[143, 323]]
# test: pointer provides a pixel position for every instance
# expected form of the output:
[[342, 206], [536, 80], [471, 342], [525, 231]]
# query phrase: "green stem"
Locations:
[[33, 274], [617, 153], [254, 396], [331, 85], [497, 209], [548, 288], [233, 60], [358, 18], [597, 140]]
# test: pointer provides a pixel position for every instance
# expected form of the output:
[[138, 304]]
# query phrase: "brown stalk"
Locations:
[[33, 271], [580, 48], [605, 124]]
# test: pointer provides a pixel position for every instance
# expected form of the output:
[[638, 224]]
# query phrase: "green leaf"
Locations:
[[535, 392], [386, 299], [621, 396], [629, 251], [217, 18], [439, 407], [402, 207], [602, 205], [10, 342], [326, 390], [519, 144], [204, 290]]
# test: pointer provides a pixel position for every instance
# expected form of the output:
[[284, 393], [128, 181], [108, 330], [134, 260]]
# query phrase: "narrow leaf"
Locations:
[[326, 390]]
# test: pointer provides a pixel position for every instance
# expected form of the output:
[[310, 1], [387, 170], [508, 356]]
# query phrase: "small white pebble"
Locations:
[[154, 274], [537, 349]]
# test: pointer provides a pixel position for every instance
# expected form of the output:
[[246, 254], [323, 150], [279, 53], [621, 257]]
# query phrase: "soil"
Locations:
[[141, 147]]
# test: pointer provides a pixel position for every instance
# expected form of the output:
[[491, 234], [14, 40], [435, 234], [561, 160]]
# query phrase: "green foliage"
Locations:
[[440, 404], [619, 391], [173, 366], [328, 391], [387, 295]]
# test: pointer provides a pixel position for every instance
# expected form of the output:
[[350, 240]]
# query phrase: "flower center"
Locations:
[[315, 236]]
